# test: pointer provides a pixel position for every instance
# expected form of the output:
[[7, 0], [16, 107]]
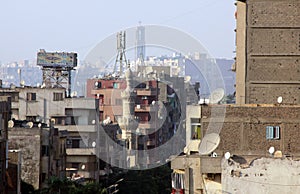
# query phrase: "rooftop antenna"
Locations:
[[121, 57]]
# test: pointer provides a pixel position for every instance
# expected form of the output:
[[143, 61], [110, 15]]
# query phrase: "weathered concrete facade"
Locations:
[[264, 175], [5, 107], [42, 153], [267, 61], [244, 131]]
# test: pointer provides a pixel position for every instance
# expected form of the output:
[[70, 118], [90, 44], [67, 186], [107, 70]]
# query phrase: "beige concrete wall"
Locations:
[[272, 35], [192, 111], [28, 141], [265, 175], [240, 52], [244, 129]]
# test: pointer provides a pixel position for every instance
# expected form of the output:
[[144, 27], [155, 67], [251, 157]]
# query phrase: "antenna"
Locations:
[[216, 96], [121, 57], [209, 143]]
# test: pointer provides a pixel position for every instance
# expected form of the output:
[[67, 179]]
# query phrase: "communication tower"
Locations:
[[121, 57]]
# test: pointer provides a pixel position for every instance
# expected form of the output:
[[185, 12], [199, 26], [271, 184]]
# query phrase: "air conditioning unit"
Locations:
[[138, 106], [69, 141]]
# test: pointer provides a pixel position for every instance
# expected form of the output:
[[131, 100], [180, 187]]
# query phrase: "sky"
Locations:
[[77, 25]]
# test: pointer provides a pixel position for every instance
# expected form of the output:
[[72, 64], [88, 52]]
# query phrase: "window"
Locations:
[[31, 96], [75, 143], [58, 120], [115, 85], [272, 132], [195, 128], [45, 150], [58, 96]]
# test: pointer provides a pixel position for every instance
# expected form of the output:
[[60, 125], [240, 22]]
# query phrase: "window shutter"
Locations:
[[277, 131]]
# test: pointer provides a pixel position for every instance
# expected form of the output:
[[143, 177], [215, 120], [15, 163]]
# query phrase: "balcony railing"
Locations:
[[81, 151]]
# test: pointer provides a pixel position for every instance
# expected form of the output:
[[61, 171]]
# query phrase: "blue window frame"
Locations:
[[272, 132]]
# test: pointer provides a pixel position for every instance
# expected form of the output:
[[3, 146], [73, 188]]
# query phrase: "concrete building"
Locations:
[[154, 106], [41, 151], [186, 176], [75, 115], [267, 51], [36, 103], [5, 107]]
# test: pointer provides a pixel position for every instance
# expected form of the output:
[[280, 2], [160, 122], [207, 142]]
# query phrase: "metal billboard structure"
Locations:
[[57, 67]]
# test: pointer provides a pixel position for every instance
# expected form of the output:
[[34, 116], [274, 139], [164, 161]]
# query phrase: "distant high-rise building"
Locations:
[[140, 43]]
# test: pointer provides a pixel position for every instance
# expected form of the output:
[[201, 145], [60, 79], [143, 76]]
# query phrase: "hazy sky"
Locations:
[[78, 25]]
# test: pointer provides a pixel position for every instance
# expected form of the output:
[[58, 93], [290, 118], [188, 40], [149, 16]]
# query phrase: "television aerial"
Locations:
[[209, 143], [216, 96]]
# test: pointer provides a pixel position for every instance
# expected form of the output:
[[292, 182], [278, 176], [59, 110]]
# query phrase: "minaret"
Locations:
[[128, 123]]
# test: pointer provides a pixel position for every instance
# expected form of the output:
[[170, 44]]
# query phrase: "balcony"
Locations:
[[76, 128], [81, 151], [144, 108], [146, 92], [146, 125], [151, 142]]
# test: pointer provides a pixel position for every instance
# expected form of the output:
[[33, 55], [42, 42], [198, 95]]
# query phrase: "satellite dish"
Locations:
[[83, 167], [11, 124], [22, 83], [187, 79], [29, 124], [93, 122], [214, 154], [209, 143], [271, 150], [279, 99], [216, 96], [94, 144], [39, 125], [227, 155]]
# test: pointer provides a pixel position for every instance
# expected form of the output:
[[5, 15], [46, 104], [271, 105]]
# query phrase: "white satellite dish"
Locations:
[[29, 124], [216, 96], [83, 167], [11, 124], [209, 143], [94, 144], [279, 99], [187, 79], [39, 125], [271, 150], [227, 155], [93, 122]]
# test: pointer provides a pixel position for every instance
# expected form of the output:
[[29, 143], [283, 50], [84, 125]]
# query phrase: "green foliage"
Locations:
[[154, 181], [26, 188], [65, 186]]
